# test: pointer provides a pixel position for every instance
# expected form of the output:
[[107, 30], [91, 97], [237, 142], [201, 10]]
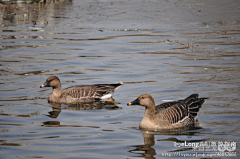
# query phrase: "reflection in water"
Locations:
[[145, 150], [58, 124], [149, 152], [56, 108], [33, 16], [92, 106]]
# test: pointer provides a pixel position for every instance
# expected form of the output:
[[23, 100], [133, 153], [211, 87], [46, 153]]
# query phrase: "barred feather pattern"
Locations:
[[179, 113], [86, 93], [104, 89]]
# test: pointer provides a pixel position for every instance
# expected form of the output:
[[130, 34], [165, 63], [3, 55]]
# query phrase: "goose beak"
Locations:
[[42, 86], [135, 102]]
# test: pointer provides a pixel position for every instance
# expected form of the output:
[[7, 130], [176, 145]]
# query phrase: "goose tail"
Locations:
[[105, 91], [193, 104]]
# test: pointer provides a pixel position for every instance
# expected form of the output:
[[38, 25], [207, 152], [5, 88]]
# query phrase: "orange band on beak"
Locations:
[[129, 103], [42, 85]]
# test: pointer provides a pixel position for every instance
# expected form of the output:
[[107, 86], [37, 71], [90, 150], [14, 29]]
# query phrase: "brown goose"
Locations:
[[79, 93], [168, 115]]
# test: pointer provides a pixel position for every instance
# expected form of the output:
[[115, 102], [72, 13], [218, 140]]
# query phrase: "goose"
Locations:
[[170, 115], [78, 93]]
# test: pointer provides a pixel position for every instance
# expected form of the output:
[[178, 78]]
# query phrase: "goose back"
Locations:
[[181, 112]]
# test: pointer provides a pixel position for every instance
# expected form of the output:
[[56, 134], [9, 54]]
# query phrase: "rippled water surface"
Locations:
[[168, 61]]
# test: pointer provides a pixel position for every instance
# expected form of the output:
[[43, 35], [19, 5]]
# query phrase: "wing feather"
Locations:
[[182, 110], [80, 91]]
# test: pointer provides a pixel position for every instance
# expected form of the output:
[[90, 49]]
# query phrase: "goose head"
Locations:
[[145, 100], [52, 81]]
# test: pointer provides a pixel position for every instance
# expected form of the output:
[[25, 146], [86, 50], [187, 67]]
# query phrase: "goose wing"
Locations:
[[177, 111], [90, 91], [80, 91]]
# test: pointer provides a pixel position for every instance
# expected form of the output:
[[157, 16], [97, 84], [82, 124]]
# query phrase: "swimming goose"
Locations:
[[78, 93], [168, 115]]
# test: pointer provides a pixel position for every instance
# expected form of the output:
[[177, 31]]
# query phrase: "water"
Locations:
[[103, 42]]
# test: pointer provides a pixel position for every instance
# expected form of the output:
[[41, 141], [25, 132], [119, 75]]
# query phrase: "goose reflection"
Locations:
[[57, 109], [108, 105], [147, 151], [58, 124]]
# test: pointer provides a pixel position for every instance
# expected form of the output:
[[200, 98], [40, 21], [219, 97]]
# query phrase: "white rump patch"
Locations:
[[106, 96], [166, 100]]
